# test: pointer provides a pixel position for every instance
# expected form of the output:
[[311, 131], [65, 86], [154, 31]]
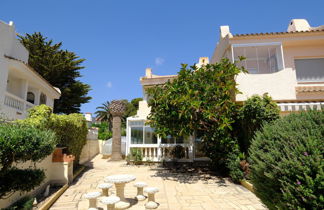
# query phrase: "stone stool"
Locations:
[[92, 197], [110, 201], [151, 204], [140, 195], [105, 187]]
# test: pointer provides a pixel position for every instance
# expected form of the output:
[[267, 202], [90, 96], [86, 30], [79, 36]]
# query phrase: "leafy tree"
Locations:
[[252, 115], [21, 143], [104, 115], [199, 102], [60, 68]]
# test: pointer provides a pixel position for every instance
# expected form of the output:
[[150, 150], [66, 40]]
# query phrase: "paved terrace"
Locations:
[[178, 191]]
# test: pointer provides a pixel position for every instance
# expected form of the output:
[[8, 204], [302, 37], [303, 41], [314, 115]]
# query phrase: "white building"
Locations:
[[289, 66], [21, 87]]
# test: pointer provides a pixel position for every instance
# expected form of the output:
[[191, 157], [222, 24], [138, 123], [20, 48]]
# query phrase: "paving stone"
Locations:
[[177, 190]]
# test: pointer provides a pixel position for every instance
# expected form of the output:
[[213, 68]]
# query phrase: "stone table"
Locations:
[[120, 181]]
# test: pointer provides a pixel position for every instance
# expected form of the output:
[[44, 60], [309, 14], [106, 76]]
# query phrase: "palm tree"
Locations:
[[103, 114], [117, 109]]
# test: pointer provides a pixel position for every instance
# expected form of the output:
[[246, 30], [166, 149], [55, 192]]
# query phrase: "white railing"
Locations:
[[155, 152], [29, 105], [14, 102]]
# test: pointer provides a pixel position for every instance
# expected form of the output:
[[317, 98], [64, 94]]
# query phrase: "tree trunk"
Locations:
[[116, 141]]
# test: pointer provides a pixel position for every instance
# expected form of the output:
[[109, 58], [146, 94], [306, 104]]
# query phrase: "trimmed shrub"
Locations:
[[21, 143], [71, 130], [287, 162]]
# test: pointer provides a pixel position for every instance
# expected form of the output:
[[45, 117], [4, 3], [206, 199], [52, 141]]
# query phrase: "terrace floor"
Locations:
[[181, 191]]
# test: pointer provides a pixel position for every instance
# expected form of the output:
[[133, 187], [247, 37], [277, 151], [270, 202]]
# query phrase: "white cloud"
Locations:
[[109, 84], [159, 61]]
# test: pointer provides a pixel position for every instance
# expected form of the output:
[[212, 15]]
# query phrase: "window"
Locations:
[[260, 58], [149, 137], [42, 98], [141, 134], [137, 135], [31, 97], [310, 70], [172, 140]]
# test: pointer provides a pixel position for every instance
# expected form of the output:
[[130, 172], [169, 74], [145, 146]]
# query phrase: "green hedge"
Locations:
[[287, 162], [21, 143], [71, 130]]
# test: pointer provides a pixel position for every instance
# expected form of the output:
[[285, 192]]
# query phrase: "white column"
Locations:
[[159, 148], [24, 89], [3, 79], [191, 147], [37, 96]]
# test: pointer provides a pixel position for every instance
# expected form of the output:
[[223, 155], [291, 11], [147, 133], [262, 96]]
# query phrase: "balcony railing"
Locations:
[[16, 102], [155, 152]]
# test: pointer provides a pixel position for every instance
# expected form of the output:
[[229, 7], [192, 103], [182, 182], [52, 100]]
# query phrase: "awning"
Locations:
[[295, 107]]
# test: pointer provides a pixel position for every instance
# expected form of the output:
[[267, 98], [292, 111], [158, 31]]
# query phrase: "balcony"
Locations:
[[15, 107]]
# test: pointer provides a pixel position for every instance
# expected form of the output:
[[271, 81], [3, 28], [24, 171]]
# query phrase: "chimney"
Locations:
[[298, 25], [224, 31], [203, 60], [148, 73]]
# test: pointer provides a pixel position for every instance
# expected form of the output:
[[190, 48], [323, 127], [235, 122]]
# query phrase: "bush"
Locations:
[[287, 162], [25, 203], [21, 143], [135, 155], [71, 130], [103, 133], [255, 111], [233, 163], [178, 152]]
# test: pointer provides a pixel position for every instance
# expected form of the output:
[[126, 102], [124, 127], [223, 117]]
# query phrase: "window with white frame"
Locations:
[[260, 58], [310, 69], [142, 134]]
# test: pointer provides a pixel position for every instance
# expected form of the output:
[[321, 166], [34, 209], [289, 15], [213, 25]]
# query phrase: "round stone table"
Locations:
[[120, 181]]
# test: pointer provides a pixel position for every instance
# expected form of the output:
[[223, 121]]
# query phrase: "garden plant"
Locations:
[[287, 162]]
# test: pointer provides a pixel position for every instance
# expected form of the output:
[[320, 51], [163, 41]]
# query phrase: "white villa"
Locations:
[[21, 87], [289, 66]]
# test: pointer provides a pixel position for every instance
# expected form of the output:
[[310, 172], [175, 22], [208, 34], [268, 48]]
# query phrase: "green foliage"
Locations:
[[135, 156], [233, 163], [21, 143], [71, 130], [59, 67], [104, 115], [200, 102], [287, 162], [178, 152], [25, 203], [103, 133], [253, 114]]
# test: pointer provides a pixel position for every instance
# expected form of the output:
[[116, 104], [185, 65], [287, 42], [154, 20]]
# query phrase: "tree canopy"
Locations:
[[198, 102], [61, 68]]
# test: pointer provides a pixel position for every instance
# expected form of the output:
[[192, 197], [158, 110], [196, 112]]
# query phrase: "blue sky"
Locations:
[[120, 38]]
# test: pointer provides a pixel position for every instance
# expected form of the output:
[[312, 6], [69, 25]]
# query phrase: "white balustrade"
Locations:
[[14, 102], [29, 105], [159, 152]]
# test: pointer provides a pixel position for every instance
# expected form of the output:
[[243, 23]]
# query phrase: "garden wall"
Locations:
[[90, 150], [59, 173]]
